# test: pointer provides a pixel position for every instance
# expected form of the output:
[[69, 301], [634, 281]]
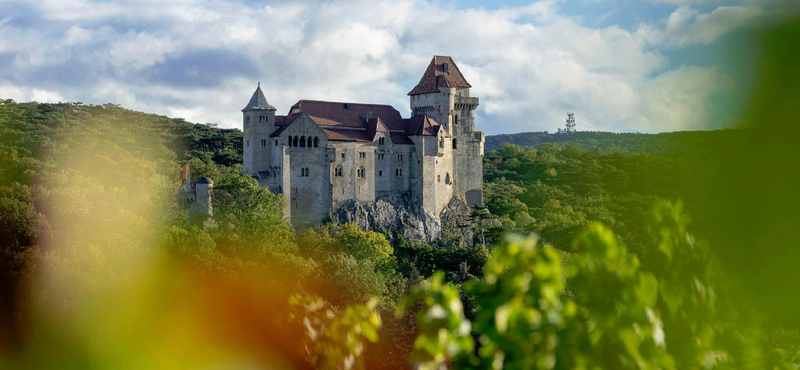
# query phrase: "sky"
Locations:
[[620, 65]]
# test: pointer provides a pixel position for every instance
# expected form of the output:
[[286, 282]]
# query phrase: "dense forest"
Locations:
[[89, 193], [680, 254], [666, 143]]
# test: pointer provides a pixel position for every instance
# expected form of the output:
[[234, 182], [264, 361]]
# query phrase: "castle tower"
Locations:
[[443, 94], [258, 122], [202, 204]]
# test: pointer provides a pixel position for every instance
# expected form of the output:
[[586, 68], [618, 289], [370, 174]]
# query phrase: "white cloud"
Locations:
[[10, 91], [687, 26], [680, 99], [529, 65]]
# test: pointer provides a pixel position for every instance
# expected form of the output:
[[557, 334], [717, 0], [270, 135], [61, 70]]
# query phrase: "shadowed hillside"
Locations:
[[663, 143]]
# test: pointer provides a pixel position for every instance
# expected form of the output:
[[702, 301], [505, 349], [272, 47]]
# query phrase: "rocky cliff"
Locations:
[[396, 213]]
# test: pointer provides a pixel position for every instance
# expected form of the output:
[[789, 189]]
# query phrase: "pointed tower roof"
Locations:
[[258, 101], [424, 125], [375, 126], [442, 72]]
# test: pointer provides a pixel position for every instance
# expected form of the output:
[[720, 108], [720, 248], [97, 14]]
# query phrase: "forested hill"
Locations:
[[663, 143]]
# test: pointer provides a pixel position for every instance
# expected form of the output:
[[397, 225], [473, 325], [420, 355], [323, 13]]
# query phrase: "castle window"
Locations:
[[310, 142], [455, 120], [342, 155], [264, 142], [362, 155], [455, 145], [447, 178], [302, 141], [276, 142], [441, 143], [294, 142], [247, 119], [399, 157], [316, 141], [398, 172], [438, 178], [381, 141], [380, 173], [380, 156], [361, 172], [304, 172], [248, 143], [337, 172]]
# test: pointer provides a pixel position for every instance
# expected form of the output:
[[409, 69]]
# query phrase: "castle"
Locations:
[[323, 154]]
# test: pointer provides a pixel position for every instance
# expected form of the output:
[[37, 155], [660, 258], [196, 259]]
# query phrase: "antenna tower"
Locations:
[[570, 122]]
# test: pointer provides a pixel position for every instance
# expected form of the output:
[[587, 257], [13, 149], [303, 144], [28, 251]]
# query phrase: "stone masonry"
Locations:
[[324, 155]]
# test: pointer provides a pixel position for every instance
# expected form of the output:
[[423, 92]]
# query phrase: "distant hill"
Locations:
[[663, 143]]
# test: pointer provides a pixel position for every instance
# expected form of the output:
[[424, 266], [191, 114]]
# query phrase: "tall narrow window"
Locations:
[[361, 172], [302, 141], [441, 143], [247, 119], [310, 142], [294, 142], [316, 141], [362, 155], [337, 172], [304, 172], [398, 172], [455, 144], [399, 157], [248, 143]]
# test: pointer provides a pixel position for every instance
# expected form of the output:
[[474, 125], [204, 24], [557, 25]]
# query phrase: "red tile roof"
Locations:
[[374, 126], [442, 72], [423, 125], [350, 114], [347, 135], [347, 121]]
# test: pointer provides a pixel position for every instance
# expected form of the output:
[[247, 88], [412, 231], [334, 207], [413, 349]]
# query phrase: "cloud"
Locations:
[[687, 26], [201, 59], [9, 91]]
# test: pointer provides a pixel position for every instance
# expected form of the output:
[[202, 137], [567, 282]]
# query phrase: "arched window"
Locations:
[[438, 178], [337, 172], [455, 145], [398, 172], [310, 142], [302, 141], [382, 141], [303, 171], [361, 172], [316, 141], [447, 178], [441, 143], [294, 141]]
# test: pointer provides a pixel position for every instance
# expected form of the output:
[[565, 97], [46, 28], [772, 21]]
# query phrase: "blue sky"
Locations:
[[620, 65]]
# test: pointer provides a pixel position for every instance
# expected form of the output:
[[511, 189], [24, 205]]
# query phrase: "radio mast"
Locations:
[[570, 122]]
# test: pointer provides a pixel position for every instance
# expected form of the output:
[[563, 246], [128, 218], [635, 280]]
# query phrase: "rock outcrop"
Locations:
[[396, 213]]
